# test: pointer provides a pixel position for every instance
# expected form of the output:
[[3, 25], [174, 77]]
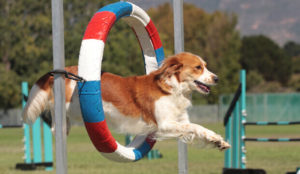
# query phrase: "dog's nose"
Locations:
[[216, 79]]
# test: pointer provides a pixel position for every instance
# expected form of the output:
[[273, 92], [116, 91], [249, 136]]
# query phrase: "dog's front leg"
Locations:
[[188, 132], [172, 129], [209, 137], [171, 126], [205, 135]]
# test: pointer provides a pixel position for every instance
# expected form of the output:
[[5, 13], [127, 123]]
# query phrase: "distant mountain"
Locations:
[[278, 19]]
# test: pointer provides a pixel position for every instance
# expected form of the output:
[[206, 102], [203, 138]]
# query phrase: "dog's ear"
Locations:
[[169, 67]]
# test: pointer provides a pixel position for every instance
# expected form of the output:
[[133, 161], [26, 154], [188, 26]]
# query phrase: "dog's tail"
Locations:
[[38, 99]]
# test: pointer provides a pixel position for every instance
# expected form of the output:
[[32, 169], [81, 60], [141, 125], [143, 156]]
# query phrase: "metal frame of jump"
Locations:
[[89, 68], [137, 16], [179, 47], [235, 157], [33, 141]]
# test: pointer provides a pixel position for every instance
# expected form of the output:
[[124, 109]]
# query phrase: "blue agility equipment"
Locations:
[[29, 162], [235, 122], [265, 123]]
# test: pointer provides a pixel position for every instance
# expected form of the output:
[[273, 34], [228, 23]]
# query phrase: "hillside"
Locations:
[[278, 19]]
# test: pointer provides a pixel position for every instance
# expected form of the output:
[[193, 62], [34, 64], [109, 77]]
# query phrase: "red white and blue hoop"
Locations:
[[90, 59]]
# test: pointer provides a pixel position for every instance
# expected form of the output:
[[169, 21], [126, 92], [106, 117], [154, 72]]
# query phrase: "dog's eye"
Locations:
[[198, 67]]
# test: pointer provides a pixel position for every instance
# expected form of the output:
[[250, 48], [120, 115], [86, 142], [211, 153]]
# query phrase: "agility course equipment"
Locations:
[[31, 163], [10, 126], [235, 157], [179, 47], [33, 141], [296, 172], [59, 89], [89, 68]]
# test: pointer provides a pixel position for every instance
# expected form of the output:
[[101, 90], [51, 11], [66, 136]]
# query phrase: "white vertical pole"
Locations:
[[179, 47], [59, 86]]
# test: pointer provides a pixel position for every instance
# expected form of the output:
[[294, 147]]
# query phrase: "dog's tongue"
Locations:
[[204, 87]]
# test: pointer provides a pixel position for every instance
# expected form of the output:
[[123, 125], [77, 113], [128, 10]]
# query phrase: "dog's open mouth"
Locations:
[[202, 86]]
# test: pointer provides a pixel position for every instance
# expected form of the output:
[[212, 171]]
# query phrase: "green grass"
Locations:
[[83, 158]]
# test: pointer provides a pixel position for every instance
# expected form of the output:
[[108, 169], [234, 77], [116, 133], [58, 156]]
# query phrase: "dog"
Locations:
[[139, 105]]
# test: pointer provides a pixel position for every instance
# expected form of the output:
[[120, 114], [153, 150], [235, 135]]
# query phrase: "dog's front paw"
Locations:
[[223, 145], [218, 142]]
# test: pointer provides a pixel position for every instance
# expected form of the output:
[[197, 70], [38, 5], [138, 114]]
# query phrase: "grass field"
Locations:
[[275, 158]]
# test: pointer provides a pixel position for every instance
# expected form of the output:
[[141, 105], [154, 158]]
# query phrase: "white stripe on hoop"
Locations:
[[146, 44], [140, 14], [138, 22], [91, 51], [122, 154]]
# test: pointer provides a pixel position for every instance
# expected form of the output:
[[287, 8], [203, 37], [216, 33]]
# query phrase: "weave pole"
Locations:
[[179, 47], [235, 116], [242, 118], [59, 87], [27, 156]]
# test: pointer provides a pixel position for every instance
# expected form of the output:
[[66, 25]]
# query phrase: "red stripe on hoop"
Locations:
[[99, 26], [101, 136], [150, 140], [153, 34]]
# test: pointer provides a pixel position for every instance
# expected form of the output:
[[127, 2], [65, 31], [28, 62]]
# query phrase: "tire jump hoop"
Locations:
[[90, 59]]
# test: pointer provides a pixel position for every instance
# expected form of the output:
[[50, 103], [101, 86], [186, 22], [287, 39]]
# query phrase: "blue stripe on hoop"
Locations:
[[0, 125], [160, 55], [120, 9], [90, 101], [141, 151]]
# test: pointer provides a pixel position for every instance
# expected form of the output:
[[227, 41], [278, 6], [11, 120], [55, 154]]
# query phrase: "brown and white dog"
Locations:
[[141, 105]]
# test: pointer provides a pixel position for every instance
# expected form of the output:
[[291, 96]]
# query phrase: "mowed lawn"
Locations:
[[83, 157]]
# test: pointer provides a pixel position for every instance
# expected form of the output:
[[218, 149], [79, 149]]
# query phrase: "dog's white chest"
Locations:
[[171, 108]]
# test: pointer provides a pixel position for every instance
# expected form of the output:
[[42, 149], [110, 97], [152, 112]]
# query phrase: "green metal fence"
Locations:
[[271, 107]]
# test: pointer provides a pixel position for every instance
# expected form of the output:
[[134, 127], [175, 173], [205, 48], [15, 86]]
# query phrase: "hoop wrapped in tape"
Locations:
[[90, 59]]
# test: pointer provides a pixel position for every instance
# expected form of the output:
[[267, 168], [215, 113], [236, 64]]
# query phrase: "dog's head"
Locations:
[[187, 72]]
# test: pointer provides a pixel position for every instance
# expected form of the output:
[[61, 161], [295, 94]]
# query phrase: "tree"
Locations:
[[292, 49], [26, 43], [12, 92], [263, 55], [122, 54]]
